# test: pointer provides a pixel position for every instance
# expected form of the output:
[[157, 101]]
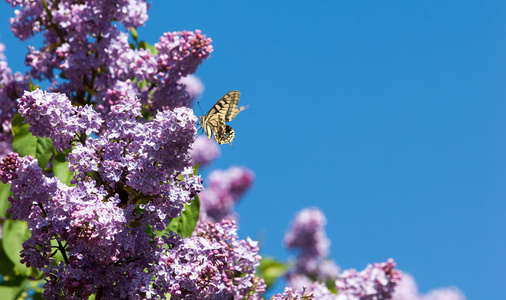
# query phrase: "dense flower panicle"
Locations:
[[85, 51], [406, 289], [8, 167], [291, 294], [52, 115], [307, 234], [213, 264], [313, 269], [224, 189], [179, 55], [204, 151], [75, 16], [75, 29], [29, 187], [375, 282], [321, 292]]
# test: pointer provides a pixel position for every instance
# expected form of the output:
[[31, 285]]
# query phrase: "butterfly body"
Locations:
[[224, 110]]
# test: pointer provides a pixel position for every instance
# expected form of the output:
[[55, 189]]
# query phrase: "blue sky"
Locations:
[[389, 116]]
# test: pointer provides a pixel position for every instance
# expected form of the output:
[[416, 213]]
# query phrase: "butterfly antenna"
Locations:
[[198, 103]]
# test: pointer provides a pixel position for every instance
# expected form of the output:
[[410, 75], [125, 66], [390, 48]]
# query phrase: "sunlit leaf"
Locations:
[[270, 270], [14, 233], [24, 143], [5, 192], [61, 168], [185, 224]]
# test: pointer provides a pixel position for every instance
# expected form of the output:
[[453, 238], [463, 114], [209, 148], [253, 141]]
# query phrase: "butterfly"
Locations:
[[224, 110]]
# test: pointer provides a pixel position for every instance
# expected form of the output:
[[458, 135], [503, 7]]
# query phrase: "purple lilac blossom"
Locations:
[[73, 30], [406, 289], [152, 158], [375, 282], [179, 54], [224, 189], [134, 177], [86, 56], [313, 269], [8, 167], [11, 87], [291, 294], [52, 115], [204, 151], [212, 264], [307, 234]]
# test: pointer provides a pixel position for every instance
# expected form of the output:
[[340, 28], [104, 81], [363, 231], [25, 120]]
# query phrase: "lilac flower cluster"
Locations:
[[86, 56], [314, 271], [224, 189], [291, 294], [35, 16], [11, 87], [52, 115], [375, 282], [129, 181], [308, 235], [78, 36], [406, 289], [151, 158], [8, 167], [179, 54], [212, 264]]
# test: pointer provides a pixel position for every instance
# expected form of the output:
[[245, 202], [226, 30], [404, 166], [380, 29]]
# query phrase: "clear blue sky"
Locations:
[[388, 115]]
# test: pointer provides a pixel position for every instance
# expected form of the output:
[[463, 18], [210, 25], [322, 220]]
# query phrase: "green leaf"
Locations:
[[7, 270], [15, 232], [61, 168], [32, 86], [30, 82], [12, 293], [5, 192], [25, 143], [134, 34], [270, 270], [185, 224]]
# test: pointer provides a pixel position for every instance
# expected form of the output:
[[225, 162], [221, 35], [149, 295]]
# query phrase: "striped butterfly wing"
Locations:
[[227, 106], [225, 135], [211, 124], [224, 110]]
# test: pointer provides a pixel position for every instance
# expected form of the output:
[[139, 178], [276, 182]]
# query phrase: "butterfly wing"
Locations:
[[225, 135], [227, 106], [211, 124]]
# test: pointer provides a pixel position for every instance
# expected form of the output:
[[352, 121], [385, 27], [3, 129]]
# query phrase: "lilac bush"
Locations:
[[105, 175]]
